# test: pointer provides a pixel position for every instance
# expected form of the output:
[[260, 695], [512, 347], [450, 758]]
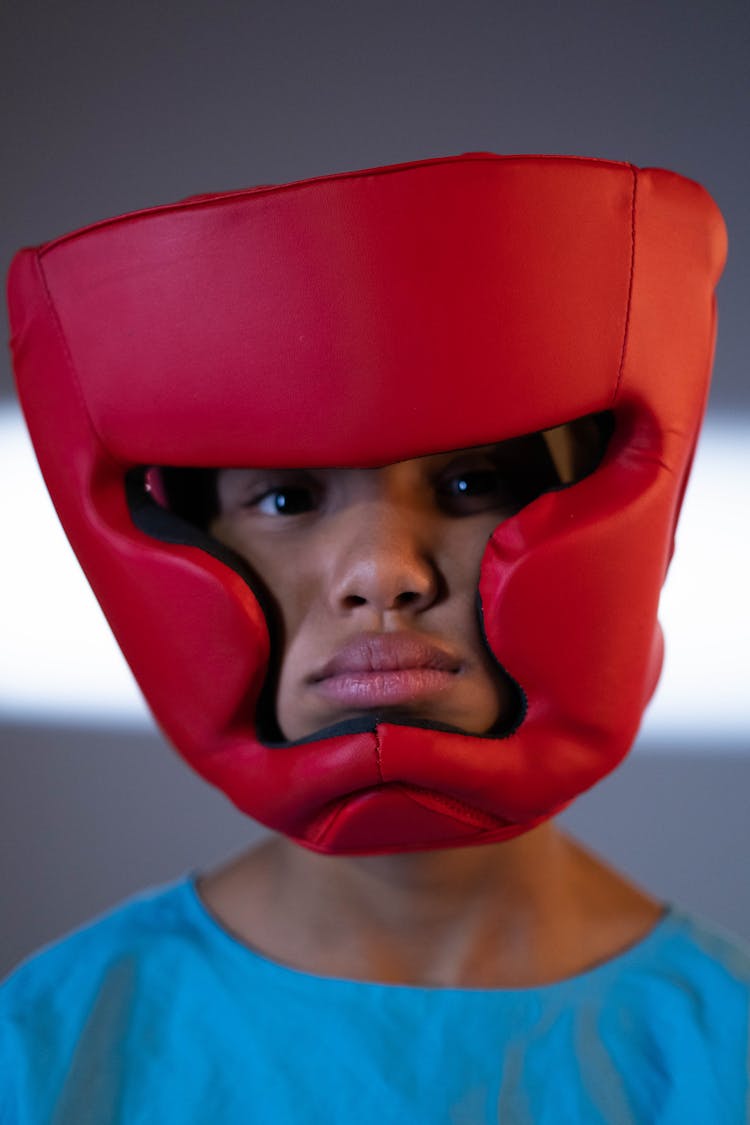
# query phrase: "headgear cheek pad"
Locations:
[[357, 320]]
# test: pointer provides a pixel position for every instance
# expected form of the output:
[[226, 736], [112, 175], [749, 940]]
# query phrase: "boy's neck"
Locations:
[[517, 914]]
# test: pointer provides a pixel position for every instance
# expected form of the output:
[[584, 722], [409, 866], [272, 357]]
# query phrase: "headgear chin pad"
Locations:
[[491, 297]]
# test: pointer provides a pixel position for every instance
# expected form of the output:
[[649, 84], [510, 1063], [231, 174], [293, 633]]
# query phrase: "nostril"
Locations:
[[407, 598], [400, 601]]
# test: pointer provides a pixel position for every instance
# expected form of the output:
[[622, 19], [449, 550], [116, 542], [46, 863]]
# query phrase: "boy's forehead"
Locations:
[[421, 461]]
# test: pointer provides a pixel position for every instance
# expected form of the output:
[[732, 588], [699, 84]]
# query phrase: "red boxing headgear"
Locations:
[[487, 297]]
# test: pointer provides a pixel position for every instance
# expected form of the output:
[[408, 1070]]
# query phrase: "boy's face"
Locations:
[[374, 573]]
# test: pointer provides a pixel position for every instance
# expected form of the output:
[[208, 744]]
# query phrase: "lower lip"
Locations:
[[370, 689]]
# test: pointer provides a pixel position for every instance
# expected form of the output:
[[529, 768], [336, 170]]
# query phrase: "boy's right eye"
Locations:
[[285, 500]]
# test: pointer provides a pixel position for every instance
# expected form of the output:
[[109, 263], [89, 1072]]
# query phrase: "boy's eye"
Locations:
[[471, 483], [474, 489], [289, 500]]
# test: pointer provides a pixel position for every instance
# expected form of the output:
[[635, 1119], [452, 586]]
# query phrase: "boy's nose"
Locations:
[[384, 562]]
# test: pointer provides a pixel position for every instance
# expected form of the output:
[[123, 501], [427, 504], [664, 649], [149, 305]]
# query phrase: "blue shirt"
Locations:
[[154, 1014]]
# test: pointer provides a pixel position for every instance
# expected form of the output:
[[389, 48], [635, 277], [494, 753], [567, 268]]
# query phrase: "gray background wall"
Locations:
[[107, 107]]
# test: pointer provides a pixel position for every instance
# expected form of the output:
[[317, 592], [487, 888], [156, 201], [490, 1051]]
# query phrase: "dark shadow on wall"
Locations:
[[91, 816]]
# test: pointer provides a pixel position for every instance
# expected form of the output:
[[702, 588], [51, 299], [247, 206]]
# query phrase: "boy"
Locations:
[[376, 478]]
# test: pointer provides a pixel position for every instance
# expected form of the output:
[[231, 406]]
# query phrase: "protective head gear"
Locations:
[[356, 320]]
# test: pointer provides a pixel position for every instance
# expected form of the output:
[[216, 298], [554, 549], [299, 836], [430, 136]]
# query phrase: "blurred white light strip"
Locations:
[[60, 664], [58, 659]]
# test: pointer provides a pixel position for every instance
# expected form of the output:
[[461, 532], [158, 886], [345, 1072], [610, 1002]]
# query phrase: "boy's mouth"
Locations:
[[381, 669]]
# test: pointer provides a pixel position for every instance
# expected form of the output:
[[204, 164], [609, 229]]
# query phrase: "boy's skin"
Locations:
[[356, 559]]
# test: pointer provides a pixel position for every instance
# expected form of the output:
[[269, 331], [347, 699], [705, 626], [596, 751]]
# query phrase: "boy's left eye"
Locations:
[[472, 482], [474, 489]]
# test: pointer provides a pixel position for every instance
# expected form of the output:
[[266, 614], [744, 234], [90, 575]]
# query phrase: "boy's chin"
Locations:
[[409, 716]]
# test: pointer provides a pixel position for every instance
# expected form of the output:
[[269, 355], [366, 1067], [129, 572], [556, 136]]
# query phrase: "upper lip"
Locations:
[[387, 652]]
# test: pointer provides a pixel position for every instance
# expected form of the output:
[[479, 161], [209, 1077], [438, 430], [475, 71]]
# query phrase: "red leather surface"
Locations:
[[360, 319]]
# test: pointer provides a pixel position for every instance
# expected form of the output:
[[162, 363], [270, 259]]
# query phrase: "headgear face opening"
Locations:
[[490, 297]]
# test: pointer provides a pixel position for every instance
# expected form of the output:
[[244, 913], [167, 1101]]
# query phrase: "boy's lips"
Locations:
[[382, 669]]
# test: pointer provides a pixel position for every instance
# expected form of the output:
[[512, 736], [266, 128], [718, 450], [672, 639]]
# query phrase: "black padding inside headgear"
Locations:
[[168, 527]]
